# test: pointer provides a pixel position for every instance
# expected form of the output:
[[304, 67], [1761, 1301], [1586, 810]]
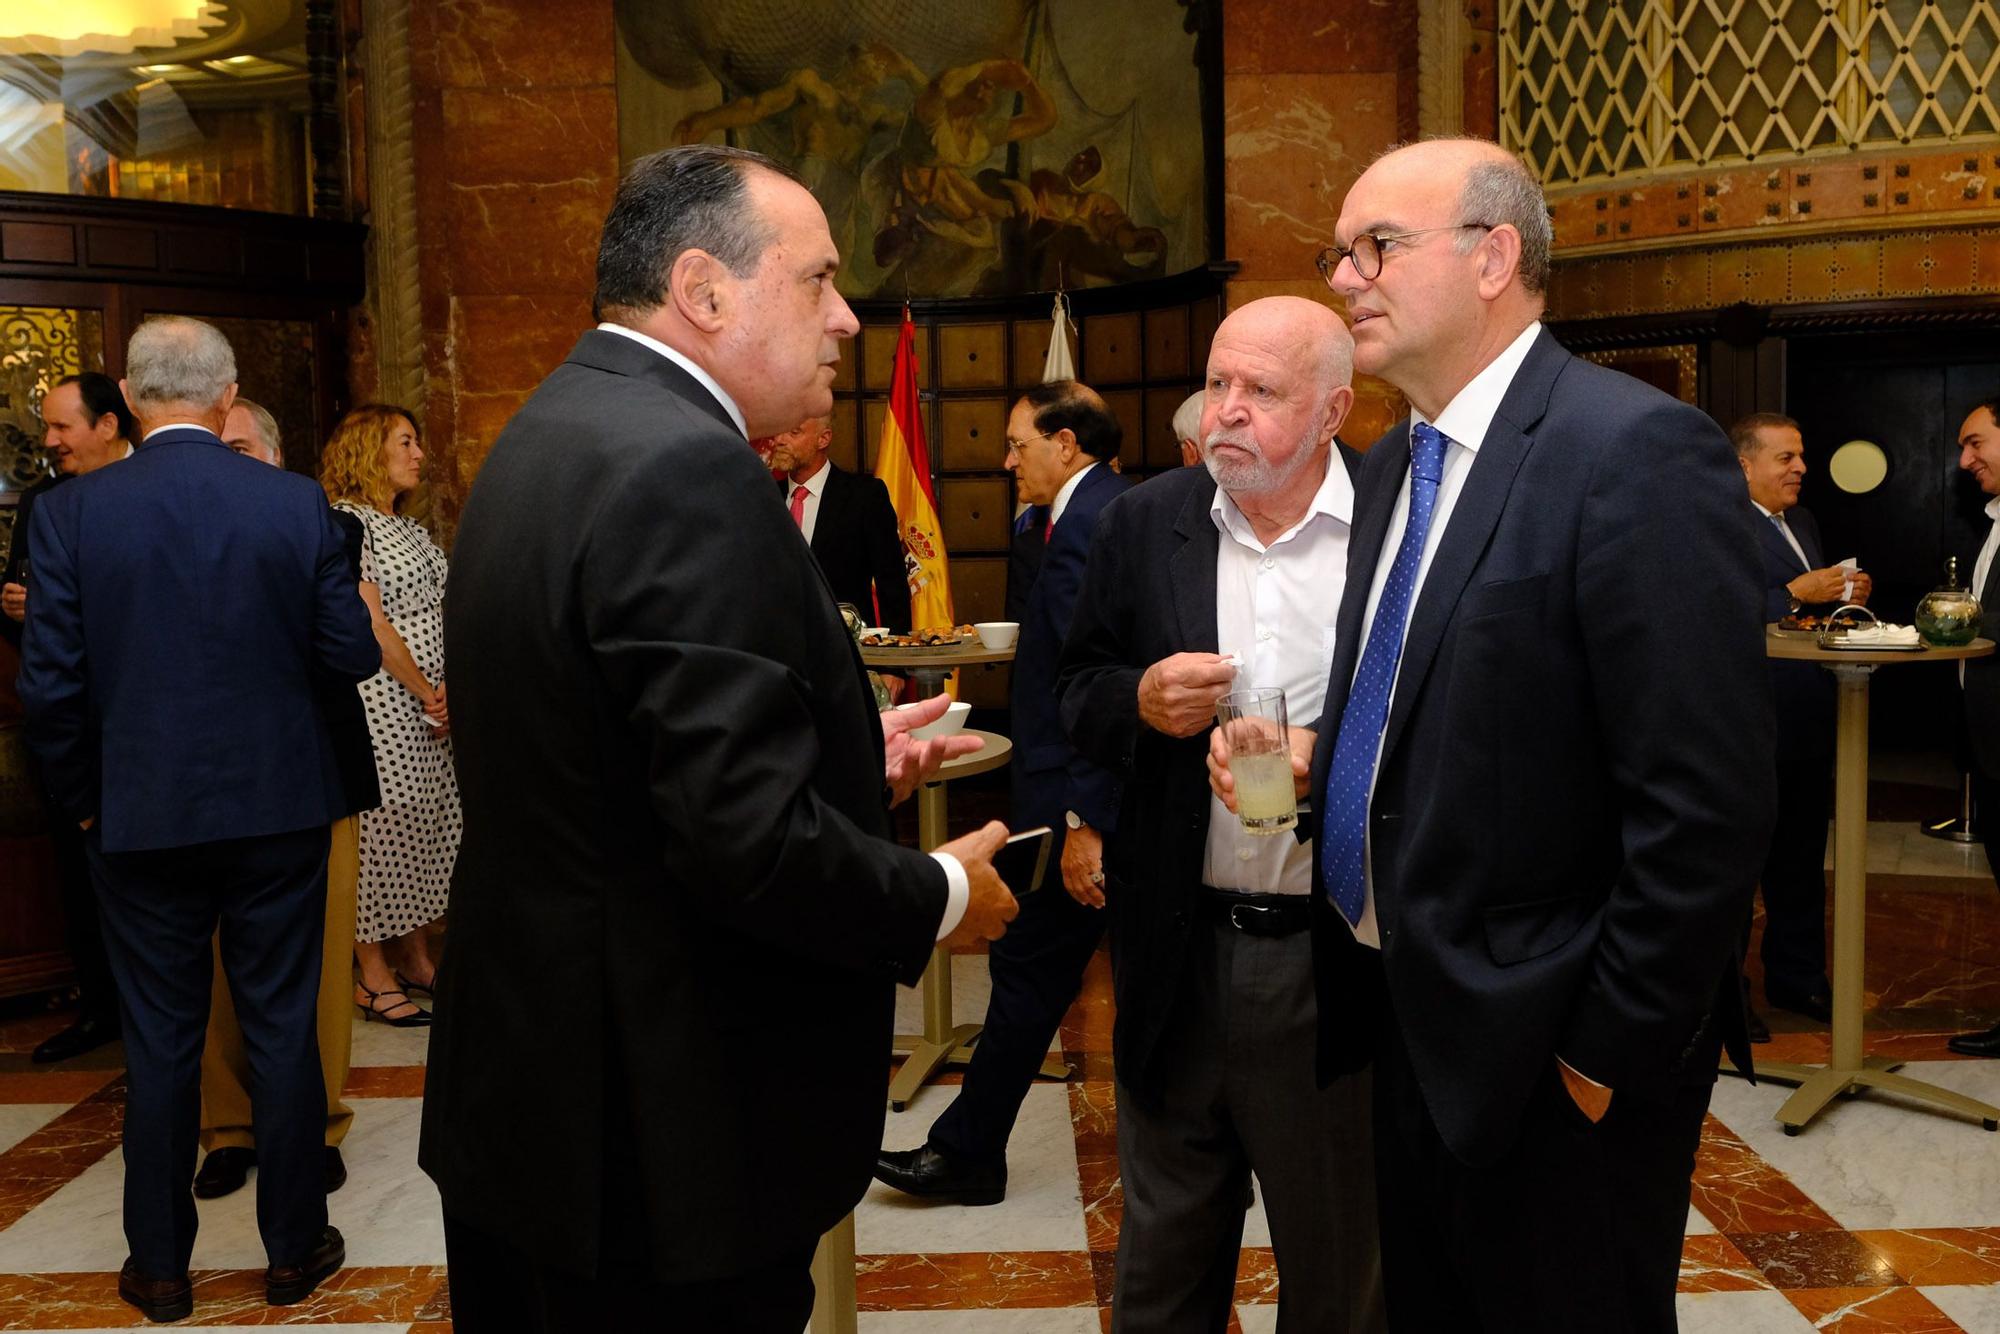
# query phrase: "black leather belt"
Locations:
[[1258, 914]]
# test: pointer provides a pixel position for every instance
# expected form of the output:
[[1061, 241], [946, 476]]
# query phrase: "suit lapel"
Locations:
[[1191, 571], [832, 497], [1470, 528], [1374, 504]]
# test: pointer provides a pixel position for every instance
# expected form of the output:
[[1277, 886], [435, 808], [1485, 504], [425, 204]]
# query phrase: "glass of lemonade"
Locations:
[[1260, 758]]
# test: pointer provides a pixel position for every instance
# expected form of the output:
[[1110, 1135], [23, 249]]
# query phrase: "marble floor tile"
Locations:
[[399, 1327], [1258, 1319], [1791, 1260], [1043, 1210], [1872, 1163], [1872, 1311], [1920, 854], [1063, 1320], [1712, 1263], [1698, 1224], [1739, 1313], [974, 1280], [1931, 1256], [379, 1044], [20, 1120], [388, 1210], [1976, 1308]]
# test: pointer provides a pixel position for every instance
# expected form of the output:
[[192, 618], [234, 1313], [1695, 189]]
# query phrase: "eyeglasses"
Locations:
[[1369, 247], [1016, 446]]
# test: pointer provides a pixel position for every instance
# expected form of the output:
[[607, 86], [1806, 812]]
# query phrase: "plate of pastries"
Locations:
[[933, 637]]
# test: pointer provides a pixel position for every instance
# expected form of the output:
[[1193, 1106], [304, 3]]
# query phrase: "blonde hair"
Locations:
[[352, 467]]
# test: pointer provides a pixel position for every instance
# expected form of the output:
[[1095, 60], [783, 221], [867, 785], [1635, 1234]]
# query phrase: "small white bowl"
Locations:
[[953, 721], [998, 634]]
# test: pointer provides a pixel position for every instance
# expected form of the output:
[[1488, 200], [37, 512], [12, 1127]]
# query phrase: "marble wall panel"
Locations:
[[1743, 197], [517, 43], [513, 342], [517, 238], [1334, 36], [497, 136], [1294, 143]]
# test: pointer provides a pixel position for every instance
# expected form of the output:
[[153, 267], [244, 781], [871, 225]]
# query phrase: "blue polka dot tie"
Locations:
[[1343, 838]]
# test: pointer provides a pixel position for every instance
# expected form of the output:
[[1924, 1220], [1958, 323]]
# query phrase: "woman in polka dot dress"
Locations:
[[408, 845]]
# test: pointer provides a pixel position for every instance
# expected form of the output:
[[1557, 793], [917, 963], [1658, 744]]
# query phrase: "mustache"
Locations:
[[1233, 435]]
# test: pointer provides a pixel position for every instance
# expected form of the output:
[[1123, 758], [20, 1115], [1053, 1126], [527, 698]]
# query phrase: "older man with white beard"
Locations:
[[1202, 581]]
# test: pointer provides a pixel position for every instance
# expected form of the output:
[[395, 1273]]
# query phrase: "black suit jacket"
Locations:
[[1050, 777], [1576, 782], [1148, 593], [1982, 676], [858, 544], [1802, 692], [17, 549], [675, 847]]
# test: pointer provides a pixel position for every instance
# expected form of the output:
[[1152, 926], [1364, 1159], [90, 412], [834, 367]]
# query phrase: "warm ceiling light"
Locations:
[[118, 27]]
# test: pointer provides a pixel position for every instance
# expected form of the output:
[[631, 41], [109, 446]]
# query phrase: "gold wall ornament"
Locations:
[[1594, 90]]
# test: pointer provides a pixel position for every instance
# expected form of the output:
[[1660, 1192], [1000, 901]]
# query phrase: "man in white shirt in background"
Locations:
[[1979, 456]]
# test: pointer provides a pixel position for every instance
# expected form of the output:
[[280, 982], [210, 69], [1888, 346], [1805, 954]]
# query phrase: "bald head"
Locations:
[[1278, 390], [1490, 185]]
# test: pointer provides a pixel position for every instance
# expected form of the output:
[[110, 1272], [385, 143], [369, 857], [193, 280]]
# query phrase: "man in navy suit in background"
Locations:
[[1796, 574], [189, 605], [1060, 440]]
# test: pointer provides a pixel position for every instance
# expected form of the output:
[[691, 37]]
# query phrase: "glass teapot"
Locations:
[[1948, 616]]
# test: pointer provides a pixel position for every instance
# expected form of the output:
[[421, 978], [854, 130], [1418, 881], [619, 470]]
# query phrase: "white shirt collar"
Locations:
[[170, 426], [1993, 509], [1061, 501], [1466, 419], [1769, 514], [1334, 499], [815, 485], [701, 377]]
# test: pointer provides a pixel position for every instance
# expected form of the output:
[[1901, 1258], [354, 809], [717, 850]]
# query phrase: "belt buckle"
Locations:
[[1236, 908]]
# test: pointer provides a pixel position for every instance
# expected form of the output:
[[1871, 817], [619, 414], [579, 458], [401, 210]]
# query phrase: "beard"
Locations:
[[1256, 475]]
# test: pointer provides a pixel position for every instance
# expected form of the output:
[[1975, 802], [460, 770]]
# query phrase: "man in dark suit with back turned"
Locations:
[[673, 777], [1979, 458], [1543, 780], [188, 606], [1211, 955], [1773, 457], [1060, 440], [849, 523], [88, 427]]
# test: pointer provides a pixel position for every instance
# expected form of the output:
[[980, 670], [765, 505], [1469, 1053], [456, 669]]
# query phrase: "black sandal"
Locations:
[[411, 988], [373, 1009]]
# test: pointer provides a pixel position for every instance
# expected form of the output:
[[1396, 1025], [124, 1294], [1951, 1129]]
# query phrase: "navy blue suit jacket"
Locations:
[[189, 605], [1050, 777], [1803, 692], [1576, 787]]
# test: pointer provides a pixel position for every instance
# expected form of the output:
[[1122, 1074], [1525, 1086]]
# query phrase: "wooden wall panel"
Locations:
[[972, 356]]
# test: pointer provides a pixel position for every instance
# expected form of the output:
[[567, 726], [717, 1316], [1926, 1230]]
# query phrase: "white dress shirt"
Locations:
[[814, 487], [1464, 421], [958, 886], [1983, 566], [701, 377], [1275, 608], [1061, 502], [1777, 517]]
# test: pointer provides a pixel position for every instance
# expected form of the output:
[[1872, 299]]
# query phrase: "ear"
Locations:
[[1744, 461], [699, 291], [1338, 406], [1499, 261], [1066, 441], [125, 392]]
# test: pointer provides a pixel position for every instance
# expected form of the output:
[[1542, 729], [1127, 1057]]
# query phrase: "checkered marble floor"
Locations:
[[1878, 1219]]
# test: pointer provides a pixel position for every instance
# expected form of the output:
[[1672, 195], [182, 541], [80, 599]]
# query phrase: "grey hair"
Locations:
[[1187, 417], [1498, 193], [266, 427], [173, 359]]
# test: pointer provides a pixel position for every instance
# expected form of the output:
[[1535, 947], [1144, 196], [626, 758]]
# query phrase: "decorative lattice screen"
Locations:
[[1594, 89]]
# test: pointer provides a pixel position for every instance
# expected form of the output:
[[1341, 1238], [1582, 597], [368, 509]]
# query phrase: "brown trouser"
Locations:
[[225, 1070]]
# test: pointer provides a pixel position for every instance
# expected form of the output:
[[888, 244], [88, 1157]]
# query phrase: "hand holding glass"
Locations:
[[1253, 724]]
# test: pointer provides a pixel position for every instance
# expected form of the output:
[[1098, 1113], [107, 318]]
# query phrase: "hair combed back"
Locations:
[[1507, 193], [266, 427], [1743, 434], [353, 466], [173, 359], [1065, 405], [671, 202], [101, 394], [1187, 417]]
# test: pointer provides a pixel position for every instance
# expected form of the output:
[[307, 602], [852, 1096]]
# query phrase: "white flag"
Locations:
[[1061, 365]]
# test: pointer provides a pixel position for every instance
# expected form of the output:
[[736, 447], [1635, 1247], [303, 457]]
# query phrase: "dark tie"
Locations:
[[1343, 837]]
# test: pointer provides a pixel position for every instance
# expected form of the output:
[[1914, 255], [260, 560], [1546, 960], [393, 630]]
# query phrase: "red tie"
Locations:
[[799, 507], [1048, 531]]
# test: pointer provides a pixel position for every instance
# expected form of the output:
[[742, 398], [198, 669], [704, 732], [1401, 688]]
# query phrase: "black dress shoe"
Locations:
[[223, 1172], [1967, 1044], [336, 1170], [157, 1298], [1815, 1004], [1754, 1023], [288, 1285], [927, 1173], [82, 1036]]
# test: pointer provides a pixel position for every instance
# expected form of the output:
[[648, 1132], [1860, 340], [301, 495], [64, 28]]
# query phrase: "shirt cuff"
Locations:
[[957, 893]]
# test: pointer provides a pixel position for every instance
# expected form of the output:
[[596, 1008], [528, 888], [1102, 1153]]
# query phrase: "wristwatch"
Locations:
[[1073, 820]]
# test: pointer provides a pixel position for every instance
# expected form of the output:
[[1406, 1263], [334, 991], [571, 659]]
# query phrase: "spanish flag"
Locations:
[[904, 465]]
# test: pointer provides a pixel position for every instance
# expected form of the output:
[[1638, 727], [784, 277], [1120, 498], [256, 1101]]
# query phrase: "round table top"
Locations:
[[990, 756], [1808, 650], [968, 654]]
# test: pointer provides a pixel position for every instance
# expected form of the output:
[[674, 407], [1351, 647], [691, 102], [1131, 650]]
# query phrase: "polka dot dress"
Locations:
[[408, 845]]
